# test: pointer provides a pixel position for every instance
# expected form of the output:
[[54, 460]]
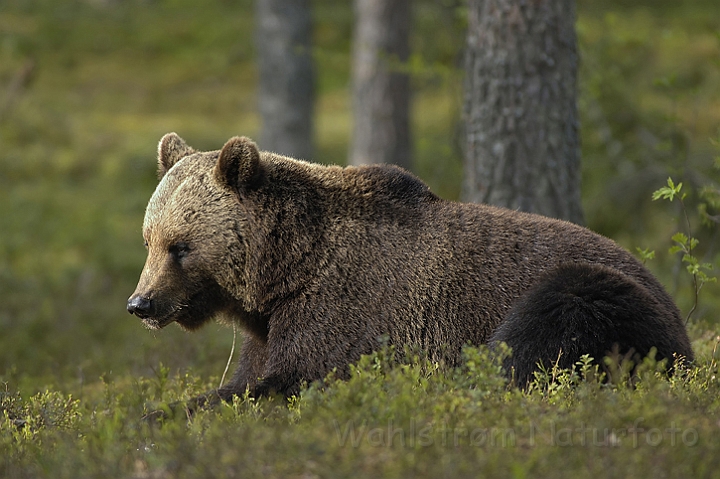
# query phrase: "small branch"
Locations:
[[696, 289]]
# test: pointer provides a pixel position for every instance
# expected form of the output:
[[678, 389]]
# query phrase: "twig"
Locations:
[[690, 248], [232, 351]]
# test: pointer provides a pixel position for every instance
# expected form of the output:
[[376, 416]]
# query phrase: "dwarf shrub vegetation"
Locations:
[[390, 419]]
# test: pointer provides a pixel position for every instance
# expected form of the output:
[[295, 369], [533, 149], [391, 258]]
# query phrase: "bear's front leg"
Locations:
[[292, 360], [262, 376], [307, 340], [250, 367]]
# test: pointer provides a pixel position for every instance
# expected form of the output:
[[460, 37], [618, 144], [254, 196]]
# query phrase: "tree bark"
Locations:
[[522, 145], [381, 89], [286, 90]]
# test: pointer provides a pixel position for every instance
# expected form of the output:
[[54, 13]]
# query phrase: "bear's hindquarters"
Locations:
[[581, 308]]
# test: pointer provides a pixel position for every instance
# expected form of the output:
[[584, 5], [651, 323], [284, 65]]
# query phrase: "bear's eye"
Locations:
[[179, 250], [146, 244]]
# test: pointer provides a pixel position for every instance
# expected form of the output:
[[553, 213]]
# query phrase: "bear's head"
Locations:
[[193, 232]]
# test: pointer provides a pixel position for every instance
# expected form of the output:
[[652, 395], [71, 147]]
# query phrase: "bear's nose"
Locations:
[[139, 306]]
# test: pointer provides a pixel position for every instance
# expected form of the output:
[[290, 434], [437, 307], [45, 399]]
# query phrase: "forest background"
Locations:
[[87, 88]]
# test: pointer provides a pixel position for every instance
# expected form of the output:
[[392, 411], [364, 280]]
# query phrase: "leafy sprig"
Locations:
[[684, 244]]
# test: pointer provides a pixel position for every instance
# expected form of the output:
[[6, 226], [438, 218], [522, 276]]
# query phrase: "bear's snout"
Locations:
[[140, 307]]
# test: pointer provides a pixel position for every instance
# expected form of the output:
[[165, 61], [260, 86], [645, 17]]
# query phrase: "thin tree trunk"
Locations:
[[522, 145], [286, 90], [381, 90]]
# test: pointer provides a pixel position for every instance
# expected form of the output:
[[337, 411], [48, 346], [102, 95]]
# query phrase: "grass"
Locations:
[[77, 165], [389, 420]]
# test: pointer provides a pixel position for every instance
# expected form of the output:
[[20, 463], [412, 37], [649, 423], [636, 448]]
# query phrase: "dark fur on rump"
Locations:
[[583, 308]]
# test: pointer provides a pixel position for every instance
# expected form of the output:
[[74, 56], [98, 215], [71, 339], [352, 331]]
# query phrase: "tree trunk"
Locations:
[[286, 90], [381, 90], [522, 145]]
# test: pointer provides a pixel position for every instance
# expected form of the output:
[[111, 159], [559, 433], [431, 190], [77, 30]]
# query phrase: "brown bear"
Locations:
[[315, 263]]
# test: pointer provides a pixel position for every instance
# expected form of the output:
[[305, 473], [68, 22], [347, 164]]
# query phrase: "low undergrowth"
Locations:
[[391, 419]]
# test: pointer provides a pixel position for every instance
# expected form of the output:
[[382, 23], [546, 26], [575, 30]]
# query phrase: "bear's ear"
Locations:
[[171, 149], [238, 165]]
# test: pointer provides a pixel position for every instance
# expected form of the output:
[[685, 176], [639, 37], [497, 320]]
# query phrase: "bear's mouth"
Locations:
[[189, 314], [174, 314], [157, 323]]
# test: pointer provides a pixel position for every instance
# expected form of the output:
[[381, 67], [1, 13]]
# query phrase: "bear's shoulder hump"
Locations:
[[396, 183]]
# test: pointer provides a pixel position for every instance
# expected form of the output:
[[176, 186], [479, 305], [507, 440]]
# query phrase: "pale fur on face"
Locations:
[[189, 210]]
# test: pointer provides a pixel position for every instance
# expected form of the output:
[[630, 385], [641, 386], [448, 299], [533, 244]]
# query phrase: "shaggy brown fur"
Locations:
[[316, 263]]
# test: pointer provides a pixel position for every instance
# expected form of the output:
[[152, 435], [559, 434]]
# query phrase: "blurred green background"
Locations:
[[88, 87]]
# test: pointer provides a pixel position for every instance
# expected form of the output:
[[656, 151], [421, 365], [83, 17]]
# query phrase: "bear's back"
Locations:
[[392, 183]]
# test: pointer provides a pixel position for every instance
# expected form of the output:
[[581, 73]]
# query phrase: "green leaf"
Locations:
[[680, 238], [645, 254], [690, 259], [661, 193], [668, 192]]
